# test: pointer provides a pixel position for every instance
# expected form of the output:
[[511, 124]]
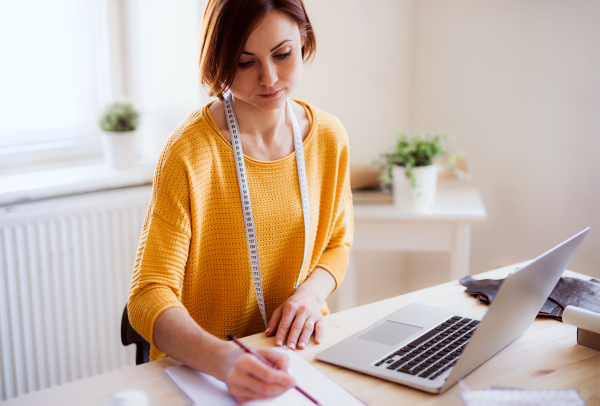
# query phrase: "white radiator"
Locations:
[[65, 270]]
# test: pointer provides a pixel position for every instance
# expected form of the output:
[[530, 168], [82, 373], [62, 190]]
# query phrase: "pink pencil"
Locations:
[[264, 360]]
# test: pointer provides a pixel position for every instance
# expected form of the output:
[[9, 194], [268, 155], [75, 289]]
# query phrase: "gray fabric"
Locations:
[[567, 292]]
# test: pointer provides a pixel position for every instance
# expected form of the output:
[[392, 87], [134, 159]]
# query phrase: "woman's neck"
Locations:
[[255, 122]]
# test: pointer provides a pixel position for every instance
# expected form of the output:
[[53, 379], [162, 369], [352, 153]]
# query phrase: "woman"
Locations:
[[216, 257]]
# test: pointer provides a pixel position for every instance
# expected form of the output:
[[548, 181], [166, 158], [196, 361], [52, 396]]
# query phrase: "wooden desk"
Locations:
[[547, 356], [445, 227]]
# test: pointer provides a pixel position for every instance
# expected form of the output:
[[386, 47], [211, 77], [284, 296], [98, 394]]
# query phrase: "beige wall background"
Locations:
[[517, 83], [362, 69]]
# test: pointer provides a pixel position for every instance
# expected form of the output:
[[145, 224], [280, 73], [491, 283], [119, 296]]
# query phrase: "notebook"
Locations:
[[203, 389]]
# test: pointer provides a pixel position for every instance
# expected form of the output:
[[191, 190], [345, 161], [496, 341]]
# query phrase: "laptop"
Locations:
[[431, 348]]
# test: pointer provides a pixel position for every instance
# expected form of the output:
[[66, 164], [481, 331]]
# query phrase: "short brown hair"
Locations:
[[226, 26]]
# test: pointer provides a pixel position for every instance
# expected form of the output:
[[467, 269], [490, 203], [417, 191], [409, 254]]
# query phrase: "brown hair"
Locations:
[[226, 26]]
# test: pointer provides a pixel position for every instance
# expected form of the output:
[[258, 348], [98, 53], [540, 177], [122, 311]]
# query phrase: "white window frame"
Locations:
[[108, 71]]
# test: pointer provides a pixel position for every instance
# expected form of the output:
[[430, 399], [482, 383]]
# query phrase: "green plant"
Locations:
[[417, 149], [119, 117]]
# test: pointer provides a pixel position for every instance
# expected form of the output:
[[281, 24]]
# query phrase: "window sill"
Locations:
[[46, 184], [35, 157]]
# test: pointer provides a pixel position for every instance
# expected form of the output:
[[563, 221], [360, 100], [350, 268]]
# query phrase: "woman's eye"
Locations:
[[283, 56], [245, 65]]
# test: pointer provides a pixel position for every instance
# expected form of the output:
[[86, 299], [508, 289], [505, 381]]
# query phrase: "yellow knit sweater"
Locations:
[[192, 251]]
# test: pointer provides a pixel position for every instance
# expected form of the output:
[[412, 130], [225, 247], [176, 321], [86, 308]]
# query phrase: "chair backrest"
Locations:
[[130, 336]]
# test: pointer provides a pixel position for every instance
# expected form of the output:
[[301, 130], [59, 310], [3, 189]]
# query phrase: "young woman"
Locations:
[[250, 221]]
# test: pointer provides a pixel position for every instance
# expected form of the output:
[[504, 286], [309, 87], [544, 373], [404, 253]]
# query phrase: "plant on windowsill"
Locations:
[[412, 169], [118, 122]]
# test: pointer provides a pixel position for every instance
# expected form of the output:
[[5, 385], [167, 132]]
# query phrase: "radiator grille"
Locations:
[[65, 270]]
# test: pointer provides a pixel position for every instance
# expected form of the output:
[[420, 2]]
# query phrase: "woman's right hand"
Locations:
[[248, 378]]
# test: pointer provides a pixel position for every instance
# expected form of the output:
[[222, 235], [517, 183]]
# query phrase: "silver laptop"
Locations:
[[431, 348]]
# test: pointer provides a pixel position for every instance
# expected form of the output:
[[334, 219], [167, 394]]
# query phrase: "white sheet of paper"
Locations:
[[204, 389]]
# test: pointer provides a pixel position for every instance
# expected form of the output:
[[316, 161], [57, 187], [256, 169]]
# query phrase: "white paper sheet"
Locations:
[[204, 389]]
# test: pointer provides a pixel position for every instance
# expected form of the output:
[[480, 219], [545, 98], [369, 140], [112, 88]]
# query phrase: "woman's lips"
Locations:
[[270, 95]]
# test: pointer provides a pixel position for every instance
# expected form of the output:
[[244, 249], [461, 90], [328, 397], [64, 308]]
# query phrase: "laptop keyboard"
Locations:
[[435, 352]]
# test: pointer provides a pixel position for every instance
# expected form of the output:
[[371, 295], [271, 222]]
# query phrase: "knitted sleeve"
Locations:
[[163, 248], [334, 258]]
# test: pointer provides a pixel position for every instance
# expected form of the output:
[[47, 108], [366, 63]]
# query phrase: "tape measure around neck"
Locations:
[[240, 166]]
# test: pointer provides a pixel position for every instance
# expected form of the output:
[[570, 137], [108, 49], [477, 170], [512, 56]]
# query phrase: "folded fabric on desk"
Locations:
[[567, 292]]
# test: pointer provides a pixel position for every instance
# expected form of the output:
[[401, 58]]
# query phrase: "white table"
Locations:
[[445, 227]]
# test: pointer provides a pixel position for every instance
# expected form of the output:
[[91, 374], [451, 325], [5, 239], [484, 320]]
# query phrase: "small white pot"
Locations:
[[422, 196], [118, 149]]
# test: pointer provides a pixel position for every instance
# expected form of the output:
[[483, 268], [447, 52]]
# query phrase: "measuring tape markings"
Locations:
[[301, 165], [251, 237]]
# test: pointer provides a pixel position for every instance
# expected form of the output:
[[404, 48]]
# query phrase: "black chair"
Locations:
[[130, 336]]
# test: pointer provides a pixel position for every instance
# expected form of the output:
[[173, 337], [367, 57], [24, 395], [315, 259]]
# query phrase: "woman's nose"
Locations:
[[268, 75]]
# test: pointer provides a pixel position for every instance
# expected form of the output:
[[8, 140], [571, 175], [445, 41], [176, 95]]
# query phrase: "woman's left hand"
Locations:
[[300, 315]]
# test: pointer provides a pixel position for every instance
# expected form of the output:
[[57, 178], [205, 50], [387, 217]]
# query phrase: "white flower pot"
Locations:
[[422, 196], [118, 149]]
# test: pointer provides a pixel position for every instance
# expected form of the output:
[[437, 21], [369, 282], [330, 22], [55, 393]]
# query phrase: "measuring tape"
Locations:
[[240, 167]]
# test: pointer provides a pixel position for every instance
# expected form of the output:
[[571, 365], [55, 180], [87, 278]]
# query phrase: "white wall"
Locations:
[[361, 71], [518, 84], [163, 70]]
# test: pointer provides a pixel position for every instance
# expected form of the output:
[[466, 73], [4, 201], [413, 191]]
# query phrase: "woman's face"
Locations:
[[271, 64]]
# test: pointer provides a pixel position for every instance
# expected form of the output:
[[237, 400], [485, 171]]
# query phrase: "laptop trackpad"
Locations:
[[389, 332]]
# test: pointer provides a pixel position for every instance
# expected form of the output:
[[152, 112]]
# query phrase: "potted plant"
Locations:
[[411, 168], [118, 122]]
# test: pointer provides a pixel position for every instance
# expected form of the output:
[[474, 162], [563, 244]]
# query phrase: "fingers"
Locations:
[[319, 331], [268, 375], [252, 379], [297, 319], [307, 331], [292, 323], [247, 386], [276, 358], [289, 314], [274, 322], [297, 326]]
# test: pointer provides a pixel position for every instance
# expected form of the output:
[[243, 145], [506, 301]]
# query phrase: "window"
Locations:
[[54, 72]]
